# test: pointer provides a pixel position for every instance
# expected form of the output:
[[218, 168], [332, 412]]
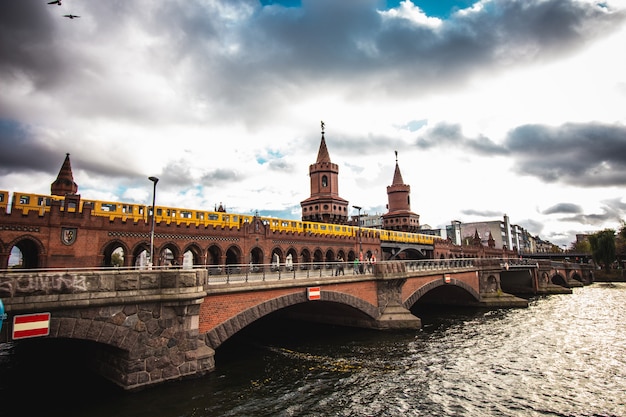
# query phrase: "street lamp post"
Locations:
[[359, 225], [154, 184]]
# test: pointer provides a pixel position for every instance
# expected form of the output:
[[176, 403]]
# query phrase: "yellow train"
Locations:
[[27, 202], [4, 200]]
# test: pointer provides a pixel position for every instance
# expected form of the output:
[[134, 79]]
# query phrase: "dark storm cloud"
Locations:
[[563, 208], [580, 154], [448, 134], [239, 56], [281, 165], [275, 54], [326, 37], [23, 149], [613, 210], [220, 176], [482, 213], [587, 155], [18, 149], [534, 227], [27, 38]]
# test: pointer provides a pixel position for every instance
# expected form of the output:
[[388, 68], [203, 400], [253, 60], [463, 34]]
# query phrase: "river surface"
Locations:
[[565, 355]]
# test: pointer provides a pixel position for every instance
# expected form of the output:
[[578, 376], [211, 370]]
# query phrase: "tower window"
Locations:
[[324, 181]]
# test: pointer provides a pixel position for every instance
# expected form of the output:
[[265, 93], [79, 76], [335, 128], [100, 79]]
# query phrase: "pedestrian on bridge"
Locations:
[[339, 268], [356, 267]]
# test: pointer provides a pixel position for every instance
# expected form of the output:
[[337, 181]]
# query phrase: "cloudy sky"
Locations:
[[495, 107]]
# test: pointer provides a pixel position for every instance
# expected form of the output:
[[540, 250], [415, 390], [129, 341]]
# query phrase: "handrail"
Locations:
[[272, 267]]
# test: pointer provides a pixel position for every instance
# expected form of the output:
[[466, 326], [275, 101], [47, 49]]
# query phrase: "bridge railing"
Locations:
[[273, 272]]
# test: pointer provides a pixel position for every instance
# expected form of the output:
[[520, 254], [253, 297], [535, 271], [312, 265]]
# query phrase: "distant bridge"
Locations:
[[151, 326]]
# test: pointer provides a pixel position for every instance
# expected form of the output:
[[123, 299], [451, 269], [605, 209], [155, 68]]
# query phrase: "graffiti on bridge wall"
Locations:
[[42, 285]]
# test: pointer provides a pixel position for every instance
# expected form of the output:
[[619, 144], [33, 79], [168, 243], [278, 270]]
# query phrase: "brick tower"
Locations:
[[400, 217], [64, 184], [324, 205]]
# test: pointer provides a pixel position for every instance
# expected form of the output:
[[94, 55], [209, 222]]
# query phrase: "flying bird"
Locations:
[[71, 16], [57, 2]]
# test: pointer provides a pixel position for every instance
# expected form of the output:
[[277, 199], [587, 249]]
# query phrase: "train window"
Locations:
[[140, 210], [285, 224], [213, 217], [337, 228], [322, 226], [1, 197], [293, 224], [235, 219], [226, 218], [199, 215], [159, 212], [109, 207], [185, 214]]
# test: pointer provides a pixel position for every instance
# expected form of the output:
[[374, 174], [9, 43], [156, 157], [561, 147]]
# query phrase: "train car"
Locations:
[[27, 202], [113, 210], [4, 200]]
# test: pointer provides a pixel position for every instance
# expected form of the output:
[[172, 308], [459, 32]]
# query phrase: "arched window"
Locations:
[[324, 181]]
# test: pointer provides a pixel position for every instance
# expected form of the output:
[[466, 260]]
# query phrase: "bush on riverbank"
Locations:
[[612, 275]]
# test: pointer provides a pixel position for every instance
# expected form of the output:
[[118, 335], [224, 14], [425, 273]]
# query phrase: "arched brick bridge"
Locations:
[[151, 326]]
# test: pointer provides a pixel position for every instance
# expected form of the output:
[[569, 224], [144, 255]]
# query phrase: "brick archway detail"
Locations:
[[221, 333], [419, 293]]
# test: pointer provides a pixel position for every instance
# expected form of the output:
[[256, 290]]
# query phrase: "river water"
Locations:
[[565, 355]]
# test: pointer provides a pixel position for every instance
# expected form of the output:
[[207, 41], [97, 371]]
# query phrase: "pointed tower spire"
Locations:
[[324, 204], [64, 184], [397, 176], [400, 217], [322, 154]]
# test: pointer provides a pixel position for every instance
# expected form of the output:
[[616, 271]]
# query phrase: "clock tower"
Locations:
[[324, 205]]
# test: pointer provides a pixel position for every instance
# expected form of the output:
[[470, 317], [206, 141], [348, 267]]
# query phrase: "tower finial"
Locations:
[[396, 156], [322, 123]]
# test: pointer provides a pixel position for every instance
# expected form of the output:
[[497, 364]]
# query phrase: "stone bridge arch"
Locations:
[[218, 335], [558, 279], [455, 283]]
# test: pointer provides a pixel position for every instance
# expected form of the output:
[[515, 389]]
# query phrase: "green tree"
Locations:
[[603, 247], [117, 259], [581, 247]]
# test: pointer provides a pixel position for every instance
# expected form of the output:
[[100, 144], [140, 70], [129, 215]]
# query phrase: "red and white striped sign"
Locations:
[[31, 325], [313, 293]]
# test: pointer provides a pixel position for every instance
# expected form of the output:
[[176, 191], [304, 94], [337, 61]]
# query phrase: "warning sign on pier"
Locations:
[[31, 325], [313, 293]]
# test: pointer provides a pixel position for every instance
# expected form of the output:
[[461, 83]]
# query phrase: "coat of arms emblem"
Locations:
[[68, 235]]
